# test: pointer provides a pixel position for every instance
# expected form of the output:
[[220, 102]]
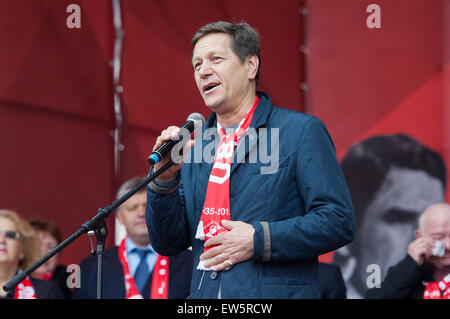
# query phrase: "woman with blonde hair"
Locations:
[[19, 249]]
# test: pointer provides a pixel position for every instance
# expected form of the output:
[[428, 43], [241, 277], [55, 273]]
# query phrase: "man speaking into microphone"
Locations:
[[255, 233]]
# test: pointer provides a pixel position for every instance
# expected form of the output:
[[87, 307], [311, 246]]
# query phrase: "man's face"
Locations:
[[437, 227], [222, 79], [132, 216], [391, 217]]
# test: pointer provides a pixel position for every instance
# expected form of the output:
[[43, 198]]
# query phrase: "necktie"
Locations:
[[142, 271]]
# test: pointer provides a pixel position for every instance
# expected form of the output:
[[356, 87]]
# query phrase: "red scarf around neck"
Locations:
[[437, 289], [217, 202], [25, 290], [160, 277]]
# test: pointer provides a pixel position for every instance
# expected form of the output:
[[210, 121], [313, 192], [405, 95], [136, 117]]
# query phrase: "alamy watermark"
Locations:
[[374, 279], [74, 279], [374, 19], [73, 20], [256, 146]]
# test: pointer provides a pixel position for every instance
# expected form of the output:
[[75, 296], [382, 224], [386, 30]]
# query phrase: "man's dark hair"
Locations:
[[367, 163], [244, 39], [129, 185]]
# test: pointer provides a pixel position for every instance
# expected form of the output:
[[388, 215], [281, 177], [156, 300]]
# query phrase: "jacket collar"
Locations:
[[259, 117]]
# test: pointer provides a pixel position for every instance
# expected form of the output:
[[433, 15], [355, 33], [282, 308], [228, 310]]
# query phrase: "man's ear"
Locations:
[[252, 63], [417, 233]]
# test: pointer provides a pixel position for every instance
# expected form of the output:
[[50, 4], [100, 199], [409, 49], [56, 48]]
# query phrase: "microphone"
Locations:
[[194, 122]]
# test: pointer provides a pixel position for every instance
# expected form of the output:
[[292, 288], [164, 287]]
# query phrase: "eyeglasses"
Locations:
[[10, 234]]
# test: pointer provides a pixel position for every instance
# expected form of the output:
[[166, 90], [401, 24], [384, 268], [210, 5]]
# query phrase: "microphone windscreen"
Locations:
[[198, 119]]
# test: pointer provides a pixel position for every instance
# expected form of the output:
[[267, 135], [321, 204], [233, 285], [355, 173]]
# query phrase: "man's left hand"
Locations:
[[231, 247]]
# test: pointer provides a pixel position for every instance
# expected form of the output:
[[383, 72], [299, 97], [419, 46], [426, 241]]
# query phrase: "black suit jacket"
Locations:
[[180, 273], [331, 282], [403, 281]]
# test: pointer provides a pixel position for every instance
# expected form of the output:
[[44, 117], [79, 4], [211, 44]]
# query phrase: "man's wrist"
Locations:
[[165, 187]]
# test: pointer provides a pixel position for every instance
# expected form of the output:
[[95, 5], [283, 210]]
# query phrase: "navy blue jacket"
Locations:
[[299, 211], [180, 267]]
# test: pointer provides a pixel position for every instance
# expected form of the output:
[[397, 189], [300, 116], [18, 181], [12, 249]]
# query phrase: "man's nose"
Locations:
[[142, 209], [205, 70]]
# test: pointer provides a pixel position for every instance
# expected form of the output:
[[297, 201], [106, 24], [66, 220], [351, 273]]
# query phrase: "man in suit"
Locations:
[[256, 227], [134, 269]]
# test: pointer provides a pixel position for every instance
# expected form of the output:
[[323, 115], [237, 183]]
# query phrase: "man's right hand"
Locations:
[[420, 249], [172, 132]]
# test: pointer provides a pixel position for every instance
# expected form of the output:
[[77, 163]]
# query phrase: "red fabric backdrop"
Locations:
[[56, 98], [55, 113]]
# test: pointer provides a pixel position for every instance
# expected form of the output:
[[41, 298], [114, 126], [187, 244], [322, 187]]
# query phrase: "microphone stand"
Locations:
[[96, 224]]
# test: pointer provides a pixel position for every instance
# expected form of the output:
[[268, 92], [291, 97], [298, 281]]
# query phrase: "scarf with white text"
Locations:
[[25, 290], [217, 202], [437, 289]]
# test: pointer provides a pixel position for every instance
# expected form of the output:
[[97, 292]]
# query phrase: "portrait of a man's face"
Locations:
[[403, 178]]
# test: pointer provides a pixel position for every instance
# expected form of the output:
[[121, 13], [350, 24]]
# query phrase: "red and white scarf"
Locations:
[[217, 202], [437, 289], [25, 290], [160, 277]]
